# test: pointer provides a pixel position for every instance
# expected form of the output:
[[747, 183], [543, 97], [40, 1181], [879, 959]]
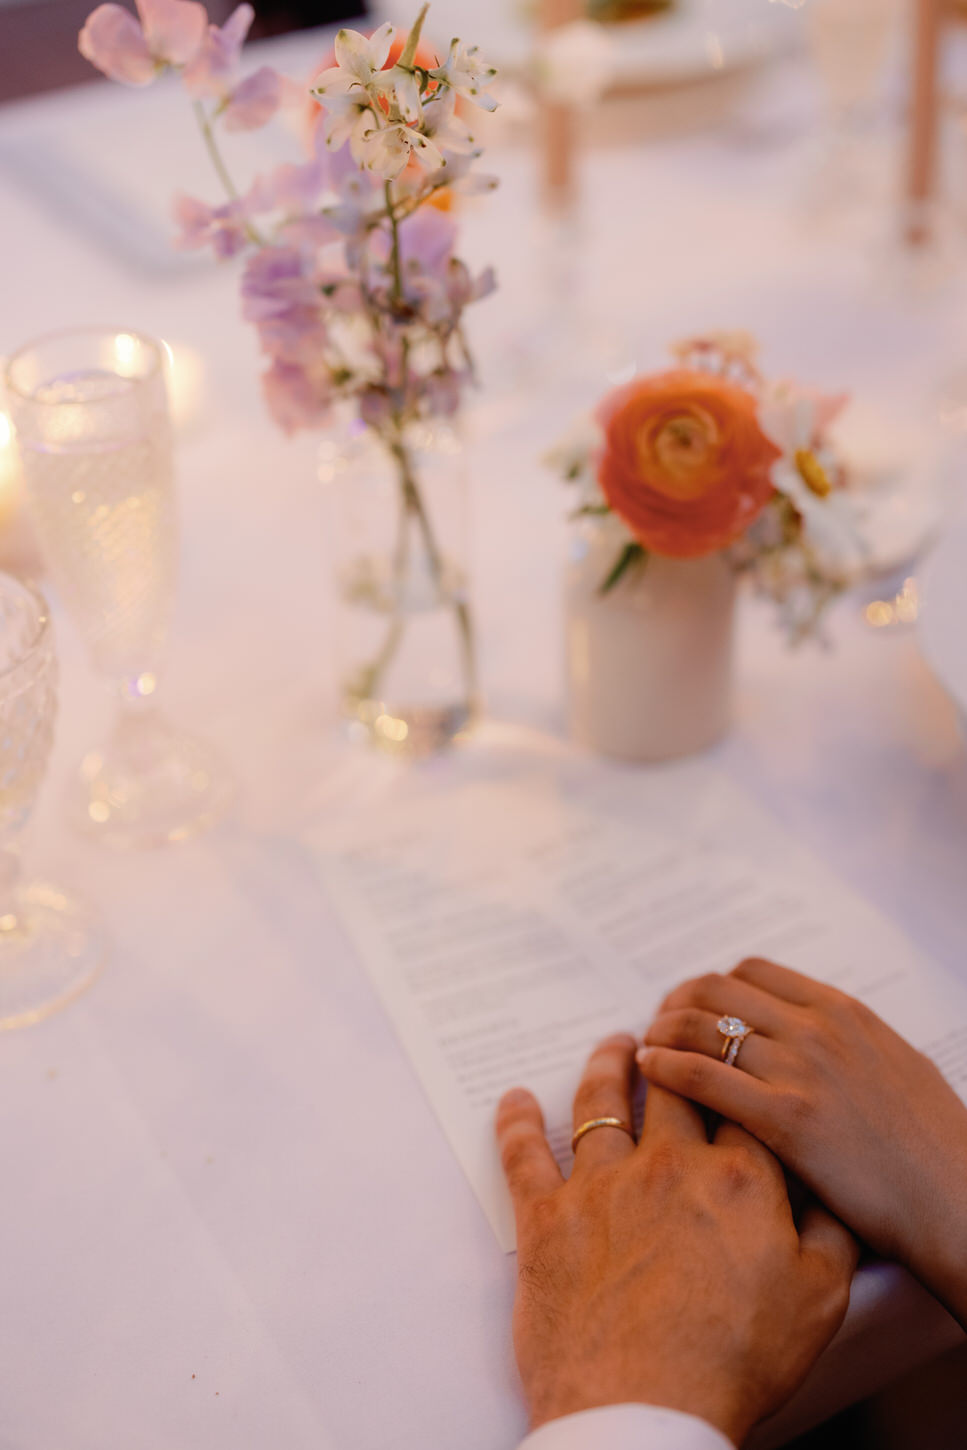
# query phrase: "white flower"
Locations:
[[359, 62], [386, 149], [575, 63], [407, 91], [466, 72], [351, 123], [574, 457], [445, 128], [830, 521]]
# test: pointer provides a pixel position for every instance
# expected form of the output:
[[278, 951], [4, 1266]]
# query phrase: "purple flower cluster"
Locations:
[[351, 281]]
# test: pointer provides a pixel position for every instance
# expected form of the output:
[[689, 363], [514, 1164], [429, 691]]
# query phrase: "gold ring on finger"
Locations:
[[593, 1123]]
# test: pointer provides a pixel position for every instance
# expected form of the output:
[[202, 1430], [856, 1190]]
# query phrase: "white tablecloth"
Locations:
[[228, 1216]]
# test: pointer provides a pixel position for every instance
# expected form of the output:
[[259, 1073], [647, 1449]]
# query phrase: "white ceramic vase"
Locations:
[[649, 664]]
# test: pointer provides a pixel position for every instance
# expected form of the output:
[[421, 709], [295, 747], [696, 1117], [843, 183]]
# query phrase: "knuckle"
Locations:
[[516, 1152], [598, 1085], [685, 1027], [746, 967], [833, 1297], [665, 1164], [738, 1171], [813, 1033]]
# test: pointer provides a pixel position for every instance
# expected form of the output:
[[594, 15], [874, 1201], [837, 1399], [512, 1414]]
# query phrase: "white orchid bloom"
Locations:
[[792, 420], [445, 128], [466, 72], [406, 88], [359, 62], [387, 149], [350, 123]]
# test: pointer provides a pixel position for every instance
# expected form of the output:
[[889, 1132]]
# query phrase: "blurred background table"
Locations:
[[216, 1220]]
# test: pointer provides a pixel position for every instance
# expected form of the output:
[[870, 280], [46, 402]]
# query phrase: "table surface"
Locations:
[[215, 1214]]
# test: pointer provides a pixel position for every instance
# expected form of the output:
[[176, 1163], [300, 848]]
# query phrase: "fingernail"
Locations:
[[642, 1056]]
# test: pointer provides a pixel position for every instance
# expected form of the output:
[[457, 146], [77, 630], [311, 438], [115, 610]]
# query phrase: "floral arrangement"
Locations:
[[351, 278], [711, 458]]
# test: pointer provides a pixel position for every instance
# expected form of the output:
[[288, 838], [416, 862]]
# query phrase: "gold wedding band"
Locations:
[[593, 1123], [734, 1031]]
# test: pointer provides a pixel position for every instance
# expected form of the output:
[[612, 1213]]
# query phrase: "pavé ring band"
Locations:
[[734, 1031]]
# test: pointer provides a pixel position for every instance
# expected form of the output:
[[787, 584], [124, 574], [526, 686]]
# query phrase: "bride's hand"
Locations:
[[866, 1121]]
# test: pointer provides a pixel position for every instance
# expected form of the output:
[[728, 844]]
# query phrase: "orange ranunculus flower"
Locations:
[[685, 464]]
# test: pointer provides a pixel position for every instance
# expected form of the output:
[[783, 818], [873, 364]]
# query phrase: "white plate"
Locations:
[[943, 618], [698, 39]]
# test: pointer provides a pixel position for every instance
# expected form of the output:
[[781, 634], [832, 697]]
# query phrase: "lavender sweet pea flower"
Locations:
[[211, 74], [295, 397], [282, 296], [220, 227], [427, 240], [441, 392], [171, 32], [292, 188], [254, 101], [113, 41]]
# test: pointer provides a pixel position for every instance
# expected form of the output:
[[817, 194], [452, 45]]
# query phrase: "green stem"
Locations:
[[371, 678], [413, 506], [630, 555], [395, 248], [414, 501], [221, 170]]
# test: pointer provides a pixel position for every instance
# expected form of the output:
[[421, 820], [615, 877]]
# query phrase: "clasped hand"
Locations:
[[671, 1273]]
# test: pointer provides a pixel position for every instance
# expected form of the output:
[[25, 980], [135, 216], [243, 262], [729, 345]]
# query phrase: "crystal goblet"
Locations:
[[91, 415], [50, 948]]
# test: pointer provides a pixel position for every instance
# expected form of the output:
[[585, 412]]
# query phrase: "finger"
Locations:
[[730, 995], [669, 1116], [731, 1135], [605, 1091], [528, 1163], [781, 982], [822, 1235], [728, 1091], [691, 1030]]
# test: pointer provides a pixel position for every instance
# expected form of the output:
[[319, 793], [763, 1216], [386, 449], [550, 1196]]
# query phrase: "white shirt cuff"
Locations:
[[627, 1427]]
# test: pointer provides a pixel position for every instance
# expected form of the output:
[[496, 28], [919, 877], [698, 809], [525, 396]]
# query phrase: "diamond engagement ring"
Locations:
[[734, 1031]]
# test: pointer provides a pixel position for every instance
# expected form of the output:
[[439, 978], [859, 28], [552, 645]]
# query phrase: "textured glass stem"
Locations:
[[11, 868]]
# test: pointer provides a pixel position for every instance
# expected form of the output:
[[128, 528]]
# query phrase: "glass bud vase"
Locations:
[[404, 636]]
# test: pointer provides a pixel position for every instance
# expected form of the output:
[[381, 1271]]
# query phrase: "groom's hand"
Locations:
[[669, 1273]]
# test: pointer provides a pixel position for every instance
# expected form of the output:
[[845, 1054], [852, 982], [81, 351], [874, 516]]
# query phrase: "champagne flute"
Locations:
[[50, 949], [850, 42], [90, 411]]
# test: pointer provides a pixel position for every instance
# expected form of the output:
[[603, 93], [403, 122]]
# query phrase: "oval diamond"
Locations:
[[732, 1026]]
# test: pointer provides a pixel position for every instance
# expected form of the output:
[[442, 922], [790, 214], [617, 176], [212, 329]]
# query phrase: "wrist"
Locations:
[[701, 1400], [939, 1258]]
